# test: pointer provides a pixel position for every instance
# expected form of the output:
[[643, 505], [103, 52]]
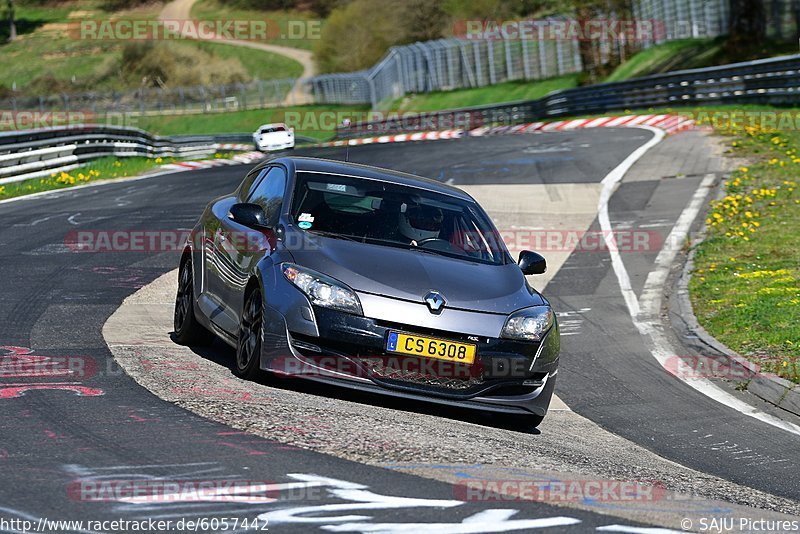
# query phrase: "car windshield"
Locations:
[[272, 129], [373, 211]]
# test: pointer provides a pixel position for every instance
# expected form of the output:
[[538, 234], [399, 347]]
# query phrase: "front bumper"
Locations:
[[269, 147], [507, 375]]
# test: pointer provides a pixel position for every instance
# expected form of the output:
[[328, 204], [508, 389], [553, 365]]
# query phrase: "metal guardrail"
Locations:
[[34, 153], [774, 81]]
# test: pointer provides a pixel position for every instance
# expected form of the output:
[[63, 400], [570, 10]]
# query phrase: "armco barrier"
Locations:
[[767, 81], [34, 153]]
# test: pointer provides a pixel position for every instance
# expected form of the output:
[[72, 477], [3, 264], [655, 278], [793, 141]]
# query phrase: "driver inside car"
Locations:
[[420, 223]]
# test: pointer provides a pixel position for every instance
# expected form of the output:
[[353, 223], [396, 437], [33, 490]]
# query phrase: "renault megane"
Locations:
[[370, 278]]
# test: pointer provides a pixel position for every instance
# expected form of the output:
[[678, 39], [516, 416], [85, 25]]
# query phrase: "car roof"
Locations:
[[368, 171]]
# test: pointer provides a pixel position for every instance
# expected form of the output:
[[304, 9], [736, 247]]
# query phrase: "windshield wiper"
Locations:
[[323, 233]]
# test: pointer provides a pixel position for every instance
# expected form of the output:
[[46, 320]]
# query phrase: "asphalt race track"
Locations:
[[100, 425]]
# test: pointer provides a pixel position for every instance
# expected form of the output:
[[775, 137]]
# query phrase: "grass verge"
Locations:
[[492, 94], [100, 169], [317, 122], [672, 55], [745, 288]]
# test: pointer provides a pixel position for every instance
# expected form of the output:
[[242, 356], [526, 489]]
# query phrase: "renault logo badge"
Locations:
[[435, 302]]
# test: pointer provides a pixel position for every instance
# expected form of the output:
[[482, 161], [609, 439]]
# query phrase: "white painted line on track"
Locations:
[[609, 184], [638, 530], [644, 312]]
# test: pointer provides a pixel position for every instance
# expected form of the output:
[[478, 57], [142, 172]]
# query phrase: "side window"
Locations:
[[249, 182], [269, 193]]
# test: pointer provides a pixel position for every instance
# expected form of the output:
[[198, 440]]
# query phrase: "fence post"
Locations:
[[509, 66], [451, 66], [526, 68], [373, 97], [542, 58], [490, 56], [478, 70], [559, 57], [277, 89]]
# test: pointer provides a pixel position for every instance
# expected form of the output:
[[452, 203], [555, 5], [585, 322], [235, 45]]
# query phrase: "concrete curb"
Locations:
[[766, 386]]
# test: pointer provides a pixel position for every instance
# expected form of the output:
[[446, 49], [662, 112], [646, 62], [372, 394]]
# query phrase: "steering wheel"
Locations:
[[422, 242]]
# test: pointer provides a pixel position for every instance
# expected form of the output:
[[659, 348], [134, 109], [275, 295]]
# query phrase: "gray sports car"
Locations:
[[372, 279]]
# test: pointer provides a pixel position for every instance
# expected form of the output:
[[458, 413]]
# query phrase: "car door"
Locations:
[[240, 248], [212, 284]]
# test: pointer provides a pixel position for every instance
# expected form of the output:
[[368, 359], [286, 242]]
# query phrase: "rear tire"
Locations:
[[248, 345], [188, 331]]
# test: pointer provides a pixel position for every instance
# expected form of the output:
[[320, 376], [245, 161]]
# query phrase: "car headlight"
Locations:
[[322, 290], [530, 324]]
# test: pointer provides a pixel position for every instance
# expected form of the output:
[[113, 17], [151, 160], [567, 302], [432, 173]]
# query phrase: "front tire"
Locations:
[[522, 423], [188, 331], [251, 329]]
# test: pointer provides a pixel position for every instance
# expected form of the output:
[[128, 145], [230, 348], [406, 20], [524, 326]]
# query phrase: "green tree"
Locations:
[[423, 20], [358, 34], [595, 67], [748, 26]]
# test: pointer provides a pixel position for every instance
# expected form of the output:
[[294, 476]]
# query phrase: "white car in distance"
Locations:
[[276, 136]]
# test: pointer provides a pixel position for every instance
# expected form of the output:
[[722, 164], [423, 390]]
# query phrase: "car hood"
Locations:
[[410, 275]]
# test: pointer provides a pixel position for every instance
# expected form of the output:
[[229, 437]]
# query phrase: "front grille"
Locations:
[[381, 369]]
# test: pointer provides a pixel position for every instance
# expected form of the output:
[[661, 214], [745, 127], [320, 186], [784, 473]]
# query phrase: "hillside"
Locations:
[[50, 55]]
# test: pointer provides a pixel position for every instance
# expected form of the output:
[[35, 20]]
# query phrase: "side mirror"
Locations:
[[532, 263], [249, 215]]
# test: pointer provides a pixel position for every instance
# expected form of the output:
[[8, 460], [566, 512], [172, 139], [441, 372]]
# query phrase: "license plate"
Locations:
[[429, 347]]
